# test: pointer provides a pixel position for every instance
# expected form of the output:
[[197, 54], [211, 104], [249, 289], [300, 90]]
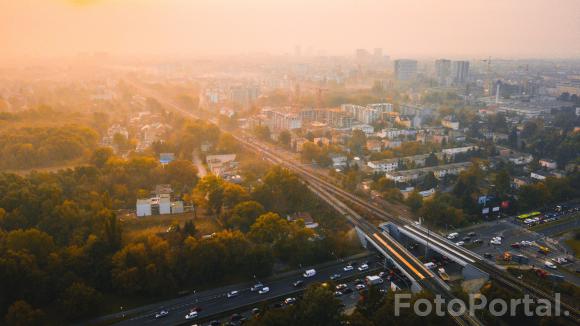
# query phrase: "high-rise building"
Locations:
[[405, 69], [460, 72], [443, 71]]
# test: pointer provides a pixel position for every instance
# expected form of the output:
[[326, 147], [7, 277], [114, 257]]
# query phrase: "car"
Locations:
[[191, 315], [363, 267], [235, 317], [214, 323], [488, 255], [471, 234], [477, 241], [516, 245], [460, 243], [551, 265], [348, 268], [337, 293], [382, 274], [290, 301], [466, 239], [334, 276], [264, 290], [256, 287], [359, 281], [232, 294], [277, 305], [360, 287], [347, 291], [526, 243], [298, 283], [256, 311], [309, 273], [495, 242], [161, 314], [341, 287]]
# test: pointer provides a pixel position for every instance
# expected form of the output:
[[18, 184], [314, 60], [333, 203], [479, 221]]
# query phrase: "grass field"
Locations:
[[136, 227]]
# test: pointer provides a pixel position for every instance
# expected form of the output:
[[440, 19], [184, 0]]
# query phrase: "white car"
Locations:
[[232, 294], [360, 287], [162, 314], [191, 315], [341, 287], [348, 268], [525, 243], [363, 267], [264, 290], [551, 265], [495, 242], [452, 235], [460, 243]]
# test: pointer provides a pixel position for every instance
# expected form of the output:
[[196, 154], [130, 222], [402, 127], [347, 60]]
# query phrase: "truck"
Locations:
[[373, 280], [309, 273]]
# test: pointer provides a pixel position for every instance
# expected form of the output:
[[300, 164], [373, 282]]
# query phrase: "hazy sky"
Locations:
[[509, 28]]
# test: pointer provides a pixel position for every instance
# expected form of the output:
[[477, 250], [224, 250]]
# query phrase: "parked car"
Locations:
[[360, 287], [477, 241], [348, 268], [335, 276], [471, 234], [551, 265], [460, 243], [256, 311], [516, 245], [337, 293], [341, 287], [488, 255]]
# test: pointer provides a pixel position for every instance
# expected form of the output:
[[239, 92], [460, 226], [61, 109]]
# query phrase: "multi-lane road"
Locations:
[[215, 302]]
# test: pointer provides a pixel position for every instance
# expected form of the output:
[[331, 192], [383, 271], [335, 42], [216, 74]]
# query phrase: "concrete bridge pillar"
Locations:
[[362, 238]]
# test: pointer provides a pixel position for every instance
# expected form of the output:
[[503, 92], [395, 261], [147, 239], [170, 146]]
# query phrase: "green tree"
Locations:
[[100, 156], [414, 201], [284, 138], [357, 142], [244, 214]]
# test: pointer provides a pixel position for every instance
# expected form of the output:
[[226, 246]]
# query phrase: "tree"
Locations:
[[319, 307], [414, 201], [181, 173], [21, 313], [244, 214], [502, 182], [262, 132], [438, 212], [431, 160], [233, 194], [211, 189], [429, 181], [100, 156], [284, 138], [357, 142], [79, 300], [227, 144]]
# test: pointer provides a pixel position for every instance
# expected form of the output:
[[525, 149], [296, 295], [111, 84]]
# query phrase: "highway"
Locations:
[[215, 302], [338, 198]]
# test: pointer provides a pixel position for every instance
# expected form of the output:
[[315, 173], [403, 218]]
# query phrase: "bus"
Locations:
[[528, 215]]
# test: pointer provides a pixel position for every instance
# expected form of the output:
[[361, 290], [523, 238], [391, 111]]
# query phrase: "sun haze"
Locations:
[[514, 28]]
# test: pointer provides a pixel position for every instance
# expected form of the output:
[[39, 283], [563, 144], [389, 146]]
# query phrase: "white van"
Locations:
[[309, 273], [430, 265]]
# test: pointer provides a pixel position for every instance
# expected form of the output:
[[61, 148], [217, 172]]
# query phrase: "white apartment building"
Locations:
[[388, 165]]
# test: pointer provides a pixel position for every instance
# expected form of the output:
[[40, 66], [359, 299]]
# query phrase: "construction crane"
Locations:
[[488, 73]]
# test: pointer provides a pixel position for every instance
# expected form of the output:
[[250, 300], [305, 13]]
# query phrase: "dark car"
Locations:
[[347, 291], [471, 234], [487, 255], [214, 323], [235, 317]]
